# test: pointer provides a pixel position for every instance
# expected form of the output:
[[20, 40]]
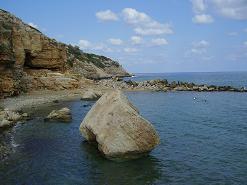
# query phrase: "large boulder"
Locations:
[[63, 115], [120, 132]]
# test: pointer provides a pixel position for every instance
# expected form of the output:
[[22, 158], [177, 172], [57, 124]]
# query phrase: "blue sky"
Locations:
[[147, 36]]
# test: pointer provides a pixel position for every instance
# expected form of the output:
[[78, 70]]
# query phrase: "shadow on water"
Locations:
[[146, 170]]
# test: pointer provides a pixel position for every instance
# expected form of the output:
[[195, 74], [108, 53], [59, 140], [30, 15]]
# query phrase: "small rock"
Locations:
[[91, 95], [8, 118], [5, 123], [24, 115], [13, 116], [63, 115], [55, 101]]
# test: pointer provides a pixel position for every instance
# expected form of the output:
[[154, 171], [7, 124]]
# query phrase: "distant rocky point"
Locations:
[[164, 85], [29, 60]]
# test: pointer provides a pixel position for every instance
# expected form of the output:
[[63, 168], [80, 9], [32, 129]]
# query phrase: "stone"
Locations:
[[117, 127], [55, 101], [63, 115], [9, 118], [91, 95], [5, 123]]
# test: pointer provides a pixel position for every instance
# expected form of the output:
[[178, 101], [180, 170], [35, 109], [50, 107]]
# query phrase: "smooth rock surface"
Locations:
[[120, 132], [63, 115]]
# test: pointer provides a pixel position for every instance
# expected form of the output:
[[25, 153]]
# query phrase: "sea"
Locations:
[[203, 140]]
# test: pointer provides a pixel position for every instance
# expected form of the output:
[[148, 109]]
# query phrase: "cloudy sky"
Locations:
[[148, 35]]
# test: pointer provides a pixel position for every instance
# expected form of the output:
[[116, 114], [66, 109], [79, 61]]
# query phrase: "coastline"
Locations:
[[34, 99]]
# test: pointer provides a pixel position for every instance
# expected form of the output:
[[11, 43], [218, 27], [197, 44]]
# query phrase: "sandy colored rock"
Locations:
[[63, 115], [8, 118], [91, 94], [120, 132]]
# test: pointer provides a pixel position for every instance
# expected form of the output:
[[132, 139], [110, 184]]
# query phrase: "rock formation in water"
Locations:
[[164, 85], [120, 132], [9, 118], [91, 94], [63, 115], [29, 60]]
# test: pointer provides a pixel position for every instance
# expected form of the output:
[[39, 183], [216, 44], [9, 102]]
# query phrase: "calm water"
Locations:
[[203, 141], [236, 79]]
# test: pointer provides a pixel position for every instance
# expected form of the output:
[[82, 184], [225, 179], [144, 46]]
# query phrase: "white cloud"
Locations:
[[84, 44], [232, 34], [159, 42], [87, 45], [199, 6], [234, 9], [114, 41], [130, 50], [144, 24], [106, 15], [201, 44], [202, 19], [152, 31], [198, 48], [101, 47], [132, 16], [33, 25], [136, 40]]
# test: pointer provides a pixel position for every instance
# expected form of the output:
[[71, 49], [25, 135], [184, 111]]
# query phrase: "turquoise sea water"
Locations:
[[203, 141]]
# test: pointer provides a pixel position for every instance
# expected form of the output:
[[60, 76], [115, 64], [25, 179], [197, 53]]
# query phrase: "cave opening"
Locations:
[[28, 59]]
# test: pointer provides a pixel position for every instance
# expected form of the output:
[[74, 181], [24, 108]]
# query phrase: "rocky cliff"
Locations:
[[30, 60]]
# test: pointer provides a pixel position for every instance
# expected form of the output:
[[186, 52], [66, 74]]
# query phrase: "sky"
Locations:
[[152, 36]]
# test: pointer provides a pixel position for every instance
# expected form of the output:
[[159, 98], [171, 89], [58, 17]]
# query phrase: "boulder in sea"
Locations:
[[63, 115], [91, 95], [118, 129], [8, 118]]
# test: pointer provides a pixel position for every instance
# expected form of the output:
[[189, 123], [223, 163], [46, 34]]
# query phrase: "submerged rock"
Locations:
[[120, 132], [63, 115]]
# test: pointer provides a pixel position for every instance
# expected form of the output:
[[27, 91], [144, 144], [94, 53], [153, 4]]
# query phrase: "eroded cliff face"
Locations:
[[30, 60]]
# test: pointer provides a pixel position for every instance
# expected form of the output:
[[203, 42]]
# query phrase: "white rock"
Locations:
[[63, 115]]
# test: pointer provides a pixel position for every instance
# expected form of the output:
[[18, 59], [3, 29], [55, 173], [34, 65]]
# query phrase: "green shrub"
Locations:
[[97, 60], [4, 48]]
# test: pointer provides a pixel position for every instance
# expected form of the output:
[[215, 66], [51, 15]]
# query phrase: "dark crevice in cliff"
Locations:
[[28, 58]]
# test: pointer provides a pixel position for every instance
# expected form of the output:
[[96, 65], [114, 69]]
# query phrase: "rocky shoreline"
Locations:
[[164, 85], [30, 101]]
